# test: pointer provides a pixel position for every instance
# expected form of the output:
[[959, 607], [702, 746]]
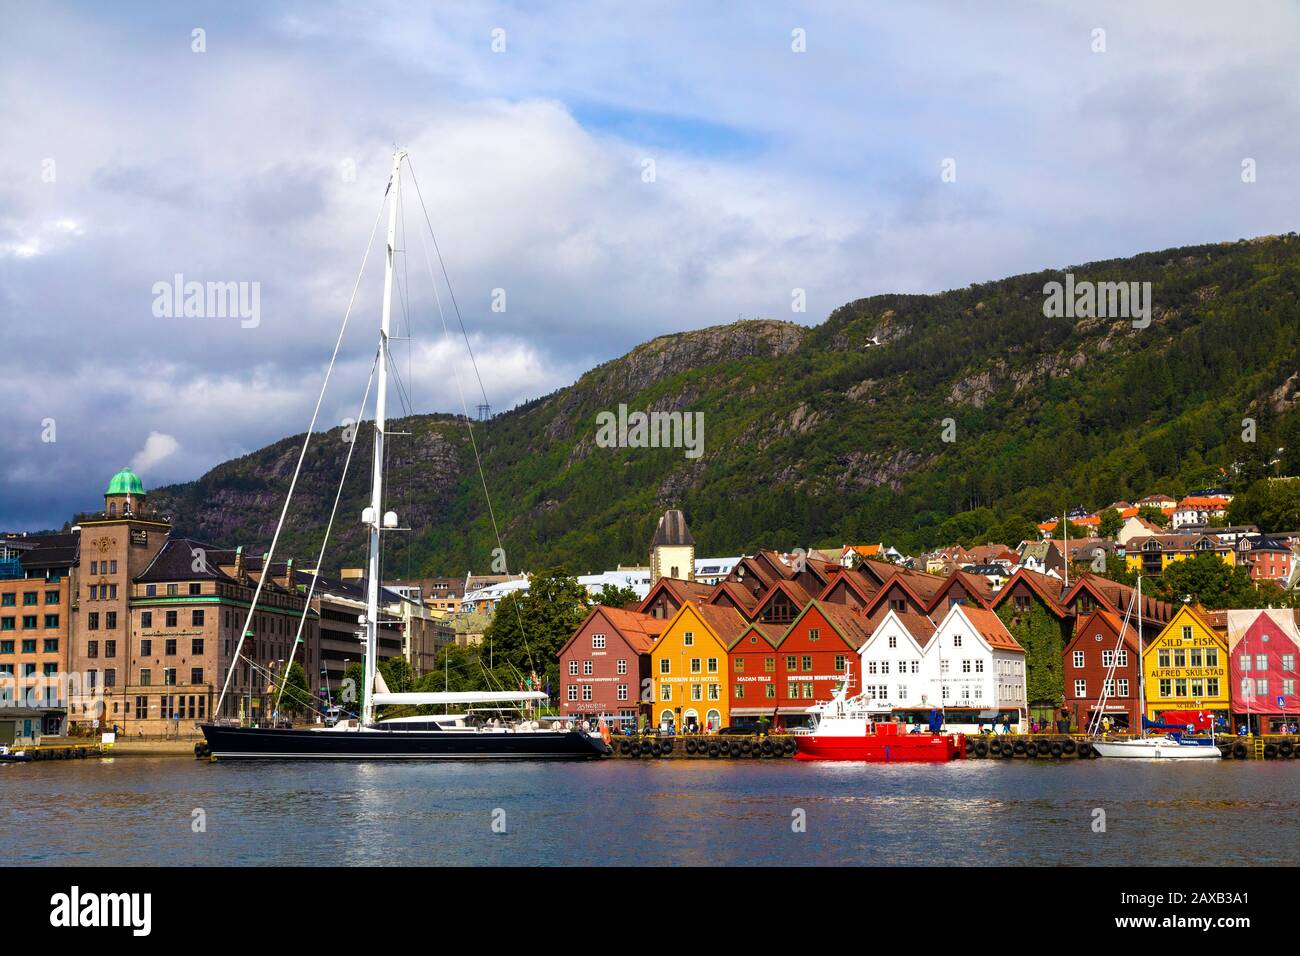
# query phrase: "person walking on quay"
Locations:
[[1006, 723], [1105, 725]]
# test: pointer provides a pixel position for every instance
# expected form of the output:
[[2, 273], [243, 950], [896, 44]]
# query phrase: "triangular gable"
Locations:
[[1278, 622], [851, 582], [1113, 622], [639, 639], [772, 634], [967, 581], [1041, 584], [793, 590], [1176, 623], [880, 631], [985, 625], [837, 626], [886, 588], [689, 609], [734, 594], [680, 591]]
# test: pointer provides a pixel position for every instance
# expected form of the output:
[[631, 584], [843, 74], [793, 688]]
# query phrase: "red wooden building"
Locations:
[[1088, 660], [800, 667], [1263, 669], [606, 663]]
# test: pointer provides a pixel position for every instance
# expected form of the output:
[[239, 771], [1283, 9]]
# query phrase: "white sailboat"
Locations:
[[421, 738], [1170, 746]]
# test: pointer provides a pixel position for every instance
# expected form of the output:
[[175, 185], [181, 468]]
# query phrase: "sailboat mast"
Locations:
[[1142, 668], [377, 466]]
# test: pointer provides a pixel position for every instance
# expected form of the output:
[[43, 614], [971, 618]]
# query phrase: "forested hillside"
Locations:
[[815, 436]]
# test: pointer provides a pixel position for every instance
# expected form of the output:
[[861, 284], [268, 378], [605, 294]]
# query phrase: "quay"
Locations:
[[775, 746]]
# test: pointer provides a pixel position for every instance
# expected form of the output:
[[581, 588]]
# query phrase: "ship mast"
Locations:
[[374, 515], [1142, 670]]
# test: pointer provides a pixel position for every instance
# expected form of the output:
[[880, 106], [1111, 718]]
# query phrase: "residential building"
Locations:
[[755, 676], [976, 663], [37, 583], [605, 666], [1101, 660], [1269, 558], [1263, 654], [1186, 666], [688, 667], [714, 570], [893, 661], [668, 595], [1200, 510], [1151, 554]]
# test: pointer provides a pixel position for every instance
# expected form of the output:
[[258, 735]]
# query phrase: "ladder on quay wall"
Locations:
[[1259, 748]]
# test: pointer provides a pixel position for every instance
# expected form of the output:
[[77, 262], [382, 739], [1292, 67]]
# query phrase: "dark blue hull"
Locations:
[[241, 743]]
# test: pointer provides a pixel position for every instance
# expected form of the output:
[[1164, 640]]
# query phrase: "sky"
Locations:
[[617, 171]]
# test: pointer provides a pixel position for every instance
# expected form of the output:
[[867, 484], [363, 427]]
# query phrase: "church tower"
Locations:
[[672, 550]]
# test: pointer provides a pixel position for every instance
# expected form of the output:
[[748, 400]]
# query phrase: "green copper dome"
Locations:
[[125, 482]]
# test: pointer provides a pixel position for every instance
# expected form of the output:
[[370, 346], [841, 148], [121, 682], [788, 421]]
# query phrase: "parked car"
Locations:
[[740, 731]]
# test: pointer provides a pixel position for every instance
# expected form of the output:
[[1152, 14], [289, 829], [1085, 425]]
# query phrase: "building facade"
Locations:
[[1263, 649], [605, 666], [1186, 667], [688, 667], [1099, 664]]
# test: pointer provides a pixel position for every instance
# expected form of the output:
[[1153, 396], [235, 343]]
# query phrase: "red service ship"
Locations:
[[845, 731]]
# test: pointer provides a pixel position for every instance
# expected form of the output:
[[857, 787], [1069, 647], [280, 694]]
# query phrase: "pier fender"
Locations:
[[1239, 751], [1270, 751], [981, 749], [1068, 747], [1286, 748], [1018, 747], [713, 750], [1084, 749], [1057, 749], [690, 746], [745, 747], [1044, 748]]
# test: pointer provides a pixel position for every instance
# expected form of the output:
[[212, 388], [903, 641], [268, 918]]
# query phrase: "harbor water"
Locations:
[[156, 811]]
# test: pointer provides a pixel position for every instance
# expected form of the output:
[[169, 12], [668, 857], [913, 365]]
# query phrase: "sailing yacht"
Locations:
[[1172, 745], [408, 738]]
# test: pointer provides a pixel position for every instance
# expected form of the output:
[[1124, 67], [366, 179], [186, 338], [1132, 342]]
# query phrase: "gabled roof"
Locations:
[[176, 561], [1045, 586], [773, 634], [1115, 597], [638, 630], [793, 590], [865, 588], [45, 550], [672, 530], [853, 628], [919, 626], [920, 587], [725, 623], [1114, 621], [743, 598], [989, 626], [978, 587], [681, 592]]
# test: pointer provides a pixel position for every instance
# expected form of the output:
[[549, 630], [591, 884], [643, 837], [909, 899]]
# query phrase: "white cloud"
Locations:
[[157, 449]]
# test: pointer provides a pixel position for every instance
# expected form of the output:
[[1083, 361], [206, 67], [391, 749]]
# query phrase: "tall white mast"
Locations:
[[1142, 669], [376, 509]]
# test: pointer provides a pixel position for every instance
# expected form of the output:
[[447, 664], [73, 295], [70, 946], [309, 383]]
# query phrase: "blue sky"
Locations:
[[775, 169]]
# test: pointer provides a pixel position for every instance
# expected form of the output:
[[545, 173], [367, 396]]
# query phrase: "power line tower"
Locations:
[[484, 412]]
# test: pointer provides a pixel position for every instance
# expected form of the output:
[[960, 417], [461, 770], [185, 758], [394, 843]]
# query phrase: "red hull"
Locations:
[[884, 748]]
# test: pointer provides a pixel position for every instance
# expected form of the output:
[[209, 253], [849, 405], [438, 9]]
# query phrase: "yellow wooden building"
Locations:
[[688, 667], [1151, 554], [1186, 666]]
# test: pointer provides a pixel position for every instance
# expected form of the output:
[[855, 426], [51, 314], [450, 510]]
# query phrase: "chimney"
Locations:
[[239, 562]]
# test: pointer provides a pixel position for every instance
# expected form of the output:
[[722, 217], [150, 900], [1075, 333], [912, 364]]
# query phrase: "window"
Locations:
[[1078, 658], [150, 590], [1108, 687], [146, 618], [1245, 663], [622, 691], [769, 665], [884, 667], [196, 618], [1212, 687], [979, 667], [587, 670], [29, 598], [598, 642], [1288, 686], [1166, 687], [715, 692], [1195, 657], [1123, 687], [8, 599], [110, 677], [51, 620], [740, 692], [956, 640], [695, 665], [622, 667], [1261, 686], [51, 645], [1261, 662], [173, 590], [196, 588], [196, 675], [110, 648], [1288, 662], [586, 692], [196, 646], [1180, 686], [1080, 688], [769, 690], [1211, 657], [146, 648], [110, 620], [169, 646], [142, 707], [665, 665], [965, 666], [573, 668], [893, 640], [1162, 657], [814, 633], [841, 663], [791, 662], [688, 639], [169, 676], [92, 648], [739, 665], [1180, 657], [573, 692], [29, 645], [51, 597], [1121, 658], [1187, 632], [666, 692], [1107, 658], [146, 678], [712, 666], [697, 692], [171, 618]]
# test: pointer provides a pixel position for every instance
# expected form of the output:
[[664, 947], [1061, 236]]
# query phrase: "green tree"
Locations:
[[1209, 581], [1154, 515], [294, 693], [1272, 504], [612, 595], [1043, 636], [529, 627], [1111, 523], [397, 674]]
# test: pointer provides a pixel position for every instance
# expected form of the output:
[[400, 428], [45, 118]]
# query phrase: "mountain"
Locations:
[[974, 416]]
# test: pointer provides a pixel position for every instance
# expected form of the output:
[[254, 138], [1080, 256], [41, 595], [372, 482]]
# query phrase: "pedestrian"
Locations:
[[1006, 723], [1105, 725]]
